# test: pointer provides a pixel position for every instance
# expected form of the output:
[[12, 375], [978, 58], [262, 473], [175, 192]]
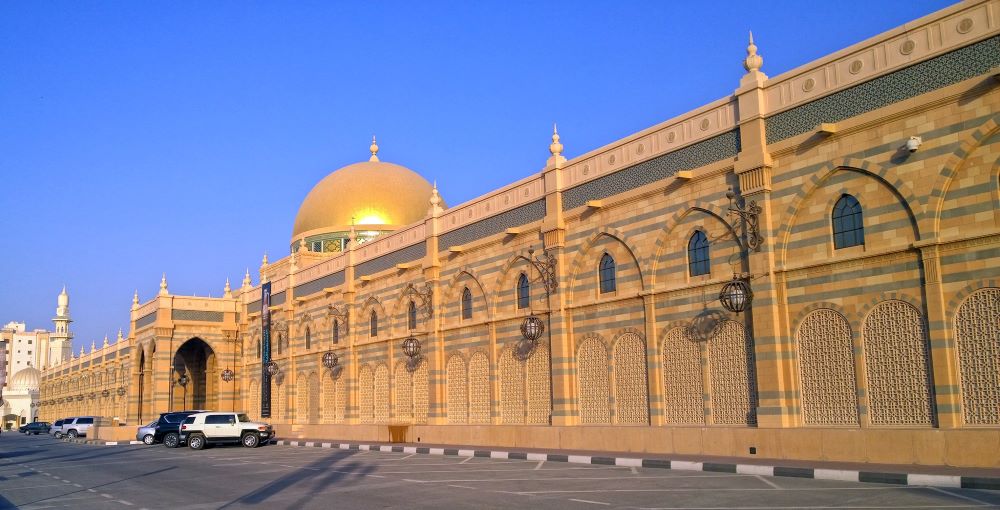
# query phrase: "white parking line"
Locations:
[[539, 466], [589, 501], [769, 482]]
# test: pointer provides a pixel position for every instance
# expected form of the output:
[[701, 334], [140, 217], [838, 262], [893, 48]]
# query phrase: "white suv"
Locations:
[[202, 429]]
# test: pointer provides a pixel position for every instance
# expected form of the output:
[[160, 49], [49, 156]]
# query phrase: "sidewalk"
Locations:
[[928, 476]]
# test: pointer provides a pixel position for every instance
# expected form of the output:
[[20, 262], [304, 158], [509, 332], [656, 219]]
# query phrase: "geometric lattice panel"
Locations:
[[826, 369], [253, 406], [301, 399], [896, 360], [421, 402], [538, 386], [683, 379], [366, 395], [457, 390], [631, 401], [314, 397], [382, 393], [511, 388], [977, 330], [341, 404], [479, 388], [329, 399], [734, 394], [403, 383], [592, 377]]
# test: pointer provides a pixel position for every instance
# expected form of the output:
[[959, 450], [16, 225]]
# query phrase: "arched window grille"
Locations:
[[308, 338], [411, 316], [281, 341], [258, 349], [698, 254], [336, 331], [373, 324], [848, 224], [523, 291], [607, 274], [466, 303]]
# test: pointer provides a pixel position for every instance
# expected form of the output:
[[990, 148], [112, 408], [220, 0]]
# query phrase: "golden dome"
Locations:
[[371, 195]]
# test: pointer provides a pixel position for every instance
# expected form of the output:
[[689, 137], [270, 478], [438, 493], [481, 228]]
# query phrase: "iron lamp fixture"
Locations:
[[736, 294], [425, 297], [330, 360], [228, 375], [546, 267], [750, 214], [273, 368], [121, 391], [531, 330], [183, 380], [411, 348], [342, 317], [105, 393]]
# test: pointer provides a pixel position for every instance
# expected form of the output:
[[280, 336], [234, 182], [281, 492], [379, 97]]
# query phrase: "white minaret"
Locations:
[[61, 340]]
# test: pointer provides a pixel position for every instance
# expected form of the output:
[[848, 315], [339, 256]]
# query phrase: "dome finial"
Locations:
[[374, 149], [753, 62]]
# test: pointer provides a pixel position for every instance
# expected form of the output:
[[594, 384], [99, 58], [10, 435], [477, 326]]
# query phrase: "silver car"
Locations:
[[147, 433], [76, 427], [57, 427]]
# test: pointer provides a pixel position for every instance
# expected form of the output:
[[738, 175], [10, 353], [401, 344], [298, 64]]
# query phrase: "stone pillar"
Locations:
[[944, 358]]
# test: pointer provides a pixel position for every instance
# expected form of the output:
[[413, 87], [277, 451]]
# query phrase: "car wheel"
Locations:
[[59, 435], [196, 442], [171, 440], [250, 440], [147, 439], [74, 434]]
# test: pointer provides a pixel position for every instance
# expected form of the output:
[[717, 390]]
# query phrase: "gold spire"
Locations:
[[374, 149], [753, 62]]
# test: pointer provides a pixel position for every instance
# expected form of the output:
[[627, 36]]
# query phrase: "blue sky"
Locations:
[[138, 138]]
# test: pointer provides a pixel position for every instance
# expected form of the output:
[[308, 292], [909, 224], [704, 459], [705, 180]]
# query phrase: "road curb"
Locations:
[[911, 479]]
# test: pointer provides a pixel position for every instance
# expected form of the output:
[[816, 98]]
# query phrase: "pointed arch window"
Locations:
[[523, 291], [848, 224], [308, 338], [336, 331], [373, 324], [258, 349], [466, 303], [411, 316], [698, 263], [607, 274], [281, 340]]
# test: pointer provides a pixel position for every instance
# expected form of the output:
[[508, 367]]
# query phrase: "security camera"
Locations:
[[913, 143]]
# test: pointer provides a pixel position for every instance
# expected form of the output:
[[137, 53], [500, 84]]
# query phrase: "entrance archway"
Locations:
[[191, 384]]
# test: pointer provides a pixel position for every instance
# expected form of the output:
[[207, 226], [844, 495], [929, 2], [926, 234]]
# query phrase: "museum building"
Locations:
[[808, 268]]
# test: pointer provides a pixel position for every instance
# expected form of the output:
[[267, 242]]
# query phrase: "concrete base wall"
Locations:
[[930, 447]]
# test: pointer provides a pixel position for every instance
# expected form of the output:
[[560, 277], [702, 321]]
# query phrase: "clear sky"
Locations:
[[138, 138]]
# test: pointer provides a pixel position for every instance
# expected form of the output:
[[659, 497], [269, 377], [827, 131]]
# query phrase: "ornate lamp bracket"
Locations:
[[750, 214], [546, 267], [343, 317], [425, 298]]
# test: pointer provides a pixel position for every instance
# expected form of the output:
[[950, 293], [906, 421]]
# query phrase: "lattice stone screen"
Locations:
[[511, 388], [253, 406], [341, 404], [683, 379], [301, 399], [977, 329], [896, 365], [366, 395], [826, 369], [329, 398], [282, 391], [381, 394], [421, 402], [457, 390], [537, 384], [404, 393], [734, 394], [314, 397], [631, 401], [479, 388], [592, 377]]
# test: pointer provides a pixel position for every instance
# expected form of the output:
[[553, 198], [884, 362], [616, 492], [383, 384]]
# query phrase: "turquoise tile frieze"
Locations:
[[938, 72], [518, 216]]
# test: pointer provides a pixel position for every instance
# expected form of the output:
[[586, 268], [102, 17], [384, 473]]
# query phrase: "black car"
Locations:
[[38, 427], [167, 429]]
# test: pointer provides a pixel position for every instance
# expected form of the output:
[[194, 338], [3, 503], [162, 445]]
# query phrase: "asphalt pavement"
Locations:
[[39, 472]]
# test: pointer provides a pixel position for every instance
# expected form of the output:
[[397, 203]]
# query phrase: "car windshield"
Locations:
[[244, 418]]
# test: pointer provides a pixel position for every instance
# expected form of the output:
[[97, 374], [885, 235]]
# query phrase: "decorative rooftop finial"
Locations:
[[135, 300], [555, 148], [246, 280], [753, 62], [435, 200], [82, 352], [93, 345], [374, 149], [106, 339], [227, 292], [163, 285], [119, 338], [264, 262]]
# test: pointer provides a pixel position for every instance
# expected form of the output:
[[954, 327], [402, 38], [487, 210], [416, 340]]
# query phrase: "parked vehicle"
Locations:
[[202, 429], [145, 432], [76, 427], [57, 427], [168, 426], [38, 427]]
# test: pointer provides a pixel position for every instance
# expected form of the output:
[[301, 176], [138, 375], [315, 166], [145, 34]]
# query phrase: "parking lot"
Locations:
[[39, 472]]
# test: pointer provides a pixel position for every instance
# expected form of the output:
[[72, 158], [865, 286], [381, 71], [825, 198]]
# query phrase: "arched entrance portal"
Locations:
[[191, 385]]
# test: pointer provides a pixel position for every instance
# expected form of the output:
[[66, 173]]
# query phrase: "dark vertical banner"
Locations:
[[265, 350]]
